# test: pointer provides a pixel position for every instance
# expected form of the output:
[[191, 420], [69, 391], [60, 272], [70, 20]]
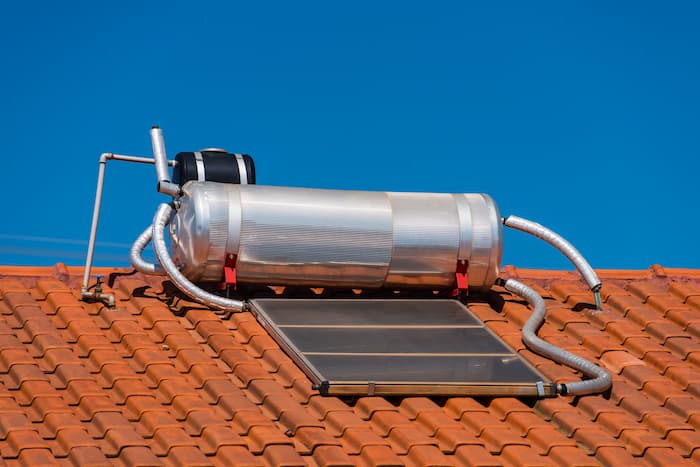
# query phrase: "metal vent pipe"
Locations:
[[161, 163]]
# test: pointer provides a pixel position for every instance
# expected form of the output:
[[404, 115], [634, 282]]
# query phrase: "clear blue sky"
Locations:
[[583, 116]]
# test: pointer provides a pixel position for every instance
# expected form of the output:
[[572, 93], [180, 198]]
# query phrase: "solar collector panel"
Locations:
[[396, 347]]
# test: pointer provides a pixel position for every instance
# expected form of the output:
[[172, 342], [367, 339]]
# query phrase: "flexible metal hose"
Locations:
[[561, 244], [601, 378], [161, 219], [137, 248]]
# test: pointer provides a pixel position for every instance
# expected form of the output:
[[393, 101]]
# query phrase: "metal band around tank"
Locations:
[[242, 171], [464, 213], [425, 240], [201, 176], [486, 230], [233, 242], [218, 230]]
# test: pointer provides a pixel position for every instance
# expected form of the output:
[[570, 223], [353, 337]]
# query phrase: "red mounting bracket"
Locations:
[[461, 277], [230, 270]]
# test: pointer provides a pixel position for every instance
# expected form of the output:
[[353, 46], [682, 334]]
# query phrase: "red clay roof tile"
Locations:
[[428, 456], [638, 440], [572, 457], [615, 455], [685, 406], [524, 456], [380, 456], [664, 456], [476, 456], [142, 385], [332, 456], [639, 405], [450, 438], [357, 439], [523, 422], [595, 437], [433, 421], [684, 441]]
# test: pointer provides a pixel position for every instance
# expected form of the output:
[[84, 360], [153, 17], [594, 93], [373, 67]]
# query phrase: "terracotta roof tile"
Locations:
[[433, 422], [142, 385], [332, 456], [686, 407], [592, 438], [571, 456], [524, 456], [357, 439], [693, 301], [476, 456], [380, 456], [664, 456], [450, 438], [615, 455], [428, 456]]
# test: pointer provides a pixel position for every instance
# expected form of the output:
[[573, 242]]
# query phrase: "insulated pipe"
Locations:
[[601, 378], [161, 162], [561, 244], [137, 248], [161, 219]]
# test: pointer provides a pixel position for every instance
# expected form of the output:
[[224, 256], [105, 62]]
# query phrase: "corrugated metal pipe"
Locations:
[[161, 219], [137, 248], [601, 378], [561, 244]]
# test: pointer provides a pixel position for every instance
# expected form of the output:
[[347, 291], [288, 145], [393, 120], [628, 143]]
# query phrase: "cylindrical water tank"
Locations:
[[334, 238]]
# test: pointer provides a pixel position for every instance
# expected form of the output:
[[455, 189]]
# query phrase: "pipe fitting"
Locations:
[[107, 299], [97, 294]]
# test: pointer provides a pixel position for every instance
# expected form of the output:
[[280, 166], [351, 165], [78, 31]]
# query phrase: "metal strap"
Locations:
[[371, 386], [242, 172], [200, 166], [540, 389]]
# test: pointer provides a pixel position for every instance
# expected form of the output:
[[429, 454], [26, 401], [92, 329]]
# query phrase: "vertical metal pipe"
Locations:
[[158, 144], [161, 160], [96, 209], [95, 220]]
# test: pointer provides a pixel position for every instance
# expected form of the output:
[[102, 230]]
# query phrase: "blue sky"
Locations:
[[583, 116]]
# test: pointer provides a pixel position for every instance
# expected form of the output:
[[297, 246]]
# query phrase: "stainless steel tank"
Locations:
[[327, 238]]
